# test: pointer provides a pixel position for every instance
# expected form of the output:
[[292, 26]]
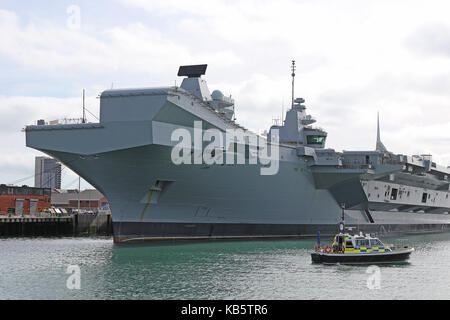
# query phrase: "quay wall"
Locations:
[[73, 225]]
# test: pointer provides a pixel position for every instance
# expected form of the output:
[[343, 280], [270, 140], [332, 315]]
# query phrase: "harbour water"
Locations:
[[36, 268]]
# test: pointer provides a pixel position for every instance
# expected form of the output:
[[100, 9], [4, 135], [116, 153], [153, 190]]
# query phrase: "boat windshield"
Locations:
[[368, 242], [362, 243], [375, 242], [348, 244]]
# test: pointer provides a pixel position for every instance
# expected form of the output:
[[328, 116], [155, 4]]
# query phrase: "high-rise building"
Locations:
[[47, 173]]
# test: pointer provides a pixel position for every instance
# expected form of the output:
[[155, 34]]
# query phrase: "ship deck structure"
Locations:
[[127, 156]]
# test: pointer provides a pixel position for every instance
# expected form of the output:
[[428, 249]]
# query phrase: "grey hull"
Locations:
[[127, 156], [197, 201], [362, 258], [138, 231]]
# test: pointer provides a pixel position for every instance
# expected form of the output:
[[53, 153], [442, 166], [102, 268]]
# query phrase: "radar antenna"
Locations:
[[293, 76]]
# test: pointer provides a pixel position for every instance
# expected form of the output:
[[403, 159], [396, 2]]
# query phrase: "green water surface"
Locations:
[[35, 268]]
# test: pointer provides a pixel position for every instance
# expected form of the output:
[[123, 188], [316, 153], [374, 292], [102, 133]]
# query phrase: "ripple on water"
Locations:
[[35, 268]]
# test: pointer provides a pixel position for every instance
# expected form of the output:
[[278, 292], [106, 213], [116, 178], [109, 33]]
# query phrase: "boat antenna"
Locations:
[[79, 190], [293, 76]]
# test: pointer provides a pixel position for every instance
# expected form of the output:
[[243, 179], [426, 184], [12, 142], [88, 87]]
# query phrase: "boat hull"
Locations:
[[201, 202], [149, 231], [362, 258]]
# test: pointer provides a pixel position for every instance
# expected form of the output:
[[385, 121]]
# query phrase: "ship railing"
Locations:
[[356, 166], [64, 121], [394, 162], [58, 122], [314, 128], [207, 106]]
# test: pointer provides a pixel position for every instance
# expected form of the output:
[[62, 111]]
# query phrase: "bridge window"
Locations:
[[362, 243], [424, 197], [315, 139], [394, 194]]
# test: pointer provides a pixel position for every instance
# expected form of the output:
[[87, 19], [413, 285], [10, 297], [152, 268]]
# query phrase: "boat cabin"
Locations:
[[346, 243]]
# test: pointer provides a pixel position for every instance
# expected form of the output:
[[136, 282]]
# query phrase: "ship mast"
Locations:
[[79, 178], [84, 109], [293, 76]]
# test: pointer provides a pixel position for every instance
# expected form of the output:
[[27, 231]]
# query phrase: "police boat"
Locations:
[[358, 249]]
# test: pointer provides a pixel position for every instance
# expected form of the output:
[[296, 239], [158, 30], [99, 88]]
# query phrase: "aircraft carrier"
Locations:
[[288, 184]]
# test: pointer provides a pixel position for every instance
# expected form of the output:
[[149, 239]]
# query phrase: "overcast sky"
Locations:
[[354, 58]]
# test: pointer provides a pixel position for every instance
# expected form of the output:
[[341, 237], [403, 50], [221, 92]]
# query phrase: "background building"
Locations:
[[23, 200], [90, 200], [47, 173]]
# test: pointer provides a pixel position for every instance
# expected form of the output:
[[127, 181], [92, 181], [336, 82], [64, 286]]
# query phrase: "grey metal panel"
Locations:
[[33, 206], [135, 92], [112, 136], [19, 206], [130, 107]]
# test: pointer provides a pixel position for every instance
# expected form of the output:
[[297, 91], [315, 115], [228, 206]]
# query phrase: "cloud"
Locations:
[[414, 114], [57, 49], [353, 59], [17, 162], [431, 39]]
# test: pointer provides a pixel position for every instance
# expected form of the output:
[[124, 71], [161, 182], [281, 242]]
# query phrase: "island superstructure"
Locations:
[[127, 157]]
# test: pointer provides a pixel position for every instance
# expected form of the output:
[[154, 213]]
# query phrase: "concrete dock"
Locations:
[[73, 225]]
